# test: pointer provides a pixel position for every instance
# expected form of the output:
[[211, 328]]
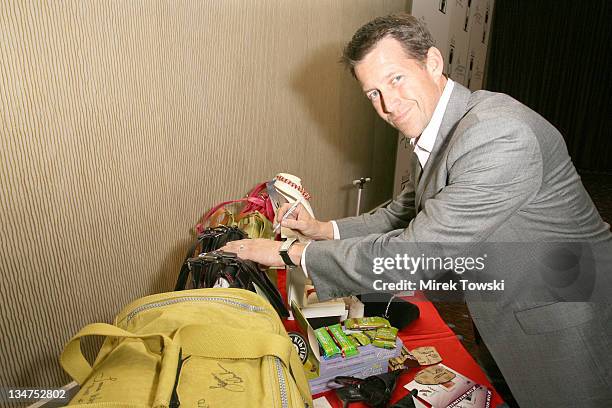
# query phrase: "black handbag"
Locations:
[[225, 269], [209, 240], [215, 268]]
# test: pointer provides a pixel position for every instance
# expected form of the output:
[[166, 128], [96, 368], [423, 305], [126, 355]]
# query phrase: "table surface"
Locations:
[[430, 330]]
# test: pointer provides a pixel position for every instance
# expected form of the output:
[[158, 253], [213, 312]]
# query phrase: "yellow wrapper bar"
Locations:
[[330, 349], [346, 346]]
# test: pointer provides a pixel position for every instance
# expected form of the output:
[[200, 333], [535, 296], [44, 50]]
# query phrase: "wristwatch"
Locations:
[[284, 251]]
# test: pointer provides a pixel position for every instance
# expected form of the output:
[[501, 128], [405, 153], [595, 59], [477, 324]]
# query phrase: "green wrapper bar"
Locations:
[[366, 323], [361, 338], [353, 341], [346, 346], [371, 334], [384, 344], [386, 333], [330, 349], [385, 338]]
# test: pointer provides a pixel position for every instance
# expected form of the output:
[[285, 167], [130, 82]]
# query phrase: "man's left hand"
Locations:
[[262, 251]]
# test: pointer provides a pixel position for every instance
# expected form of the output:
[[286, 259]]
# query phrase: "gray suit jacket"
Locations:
[[498, 172]]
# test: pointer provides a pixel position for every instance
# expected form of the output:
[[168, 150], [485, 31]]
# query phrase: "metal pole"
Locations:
[[360, 183]]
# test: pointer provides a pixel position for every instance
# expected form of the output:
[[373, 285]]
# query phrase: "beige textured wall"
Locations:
[[122, 121]]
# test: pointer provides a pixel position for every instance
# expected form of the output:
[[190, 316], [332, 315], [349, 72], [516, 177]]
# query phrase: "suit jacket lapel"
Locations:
[[416, 170], [456, 108]]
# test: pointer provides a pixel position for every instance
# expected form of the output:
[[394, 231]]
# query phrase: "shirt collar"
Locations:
[[428, 137]]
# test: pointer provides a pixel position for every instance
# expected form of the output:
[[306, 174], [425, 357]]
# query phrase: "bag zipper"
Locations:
[[148, 306], [281, 383]]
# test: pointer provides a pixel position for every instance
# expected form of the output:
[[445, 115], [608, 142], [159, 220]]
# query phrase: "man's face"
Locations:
[[404, 91]]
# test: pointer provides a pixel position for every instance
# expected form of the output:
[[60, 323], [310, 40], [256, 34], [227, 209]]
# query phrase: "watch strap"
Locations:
[[284, 251]]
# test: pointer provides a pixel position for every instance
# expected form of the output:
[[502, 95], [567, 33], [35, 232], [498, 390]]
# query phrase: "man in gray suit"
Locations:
[[487, 169]]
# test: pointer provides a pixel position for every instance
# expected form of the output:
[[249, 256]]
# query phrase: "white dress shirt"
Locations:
[[423, 145]]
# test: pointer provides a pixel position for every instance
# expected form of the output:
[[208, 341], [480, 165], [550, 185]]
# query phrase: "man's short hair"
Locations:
[[408, 30]]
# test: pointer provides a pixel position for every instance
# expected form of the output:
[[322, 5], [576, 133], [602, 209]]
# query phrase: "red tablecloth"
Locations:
[[430, 330]]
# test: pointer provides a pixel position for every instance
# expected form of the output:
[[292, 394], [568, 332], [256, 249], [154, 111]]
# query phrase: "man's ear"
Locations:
[[434, 62]]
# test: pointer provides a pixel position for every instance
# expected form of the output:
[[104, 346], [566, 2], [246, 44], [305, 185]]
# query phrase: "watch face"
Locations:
[[300, 345]]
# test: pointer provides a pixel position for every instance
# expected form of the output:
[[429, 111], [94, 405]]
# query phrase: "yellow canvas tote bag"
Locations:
[[204, 348]]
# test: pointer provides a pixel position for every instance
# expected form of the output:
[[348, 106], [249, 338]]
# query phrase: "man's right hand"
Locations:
[[300, 220]]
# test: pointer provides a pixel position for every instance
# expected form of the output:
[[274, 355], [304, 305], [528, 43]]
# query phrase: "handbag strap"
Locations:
[[258, 200], [181, 281], [72, 359], [259, 190], [209, 213], [270, 291]]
